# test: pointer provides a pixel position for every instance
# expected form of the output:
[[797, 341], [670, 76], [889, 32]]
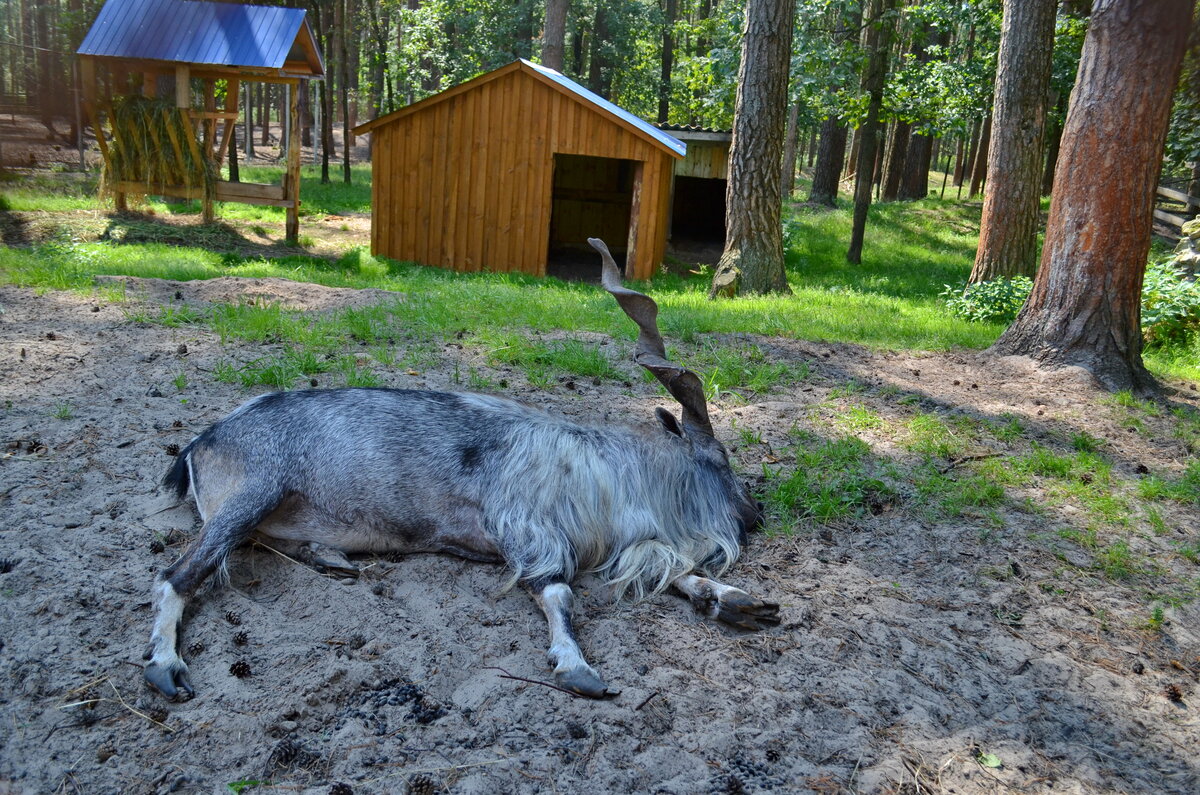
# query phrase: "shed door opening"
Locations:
[[593, 197], [698, 211]]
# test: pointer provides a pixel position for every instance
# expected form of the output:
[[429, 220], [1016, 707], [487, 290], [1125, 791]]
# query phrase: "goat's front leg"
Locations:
[[726, 603], [571, 671]]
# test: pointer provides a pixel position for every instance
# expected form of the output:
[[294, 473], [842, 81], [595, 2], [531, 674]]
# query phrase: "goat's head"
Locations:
[[683, 385]]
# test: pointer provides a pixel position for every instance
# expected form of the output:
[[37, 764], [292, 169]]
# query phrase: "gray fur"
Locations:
[[373, 470]]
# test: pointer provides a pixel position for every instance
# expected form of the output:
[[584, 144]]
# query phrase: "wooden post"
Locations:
[[183, 87], [635, 212], [292, 180], [210, 129], [232, 87]]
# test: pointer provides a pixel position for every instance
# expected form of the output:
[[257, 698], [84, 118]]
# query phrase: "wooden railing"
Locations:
[[1173, 216]]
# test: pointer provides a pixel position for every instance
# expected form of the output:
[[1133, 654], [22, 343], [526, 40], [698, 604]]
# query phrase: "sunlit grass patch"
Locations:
[[834, 479]]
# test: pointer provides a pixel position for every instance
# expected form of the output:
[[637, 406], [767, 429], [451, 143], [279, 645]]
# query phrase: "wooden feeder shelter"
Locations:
[[148, 48], [513, 171]]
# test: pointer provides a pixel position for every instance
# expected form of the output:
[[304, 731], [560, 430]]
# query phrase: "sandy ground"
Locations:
[[908, 647]]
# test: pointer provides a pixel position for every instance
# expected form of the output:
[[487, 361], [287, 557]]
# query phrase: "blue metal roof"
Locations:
[[669, 141], [225, 34]]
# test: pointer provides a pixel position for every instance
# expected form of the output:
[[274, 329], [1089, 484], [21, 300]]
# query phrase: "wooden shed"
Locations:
[[698, 193], [513, 171]]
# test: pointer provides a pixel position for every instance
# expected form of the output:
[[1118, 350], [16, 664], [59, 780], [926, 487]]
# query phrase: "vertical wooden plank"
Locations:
[[461, 162], [534, 199], [519, 210], [632, 257], [503, 208], [484, 158], [408, 190], [423, 144], [439, 174], [378, 170], [183, 87], [292, 181]]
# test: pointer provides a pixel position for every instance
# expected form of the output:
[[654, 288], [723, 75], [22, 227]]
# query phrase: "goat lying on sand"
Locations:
[[486, 478]]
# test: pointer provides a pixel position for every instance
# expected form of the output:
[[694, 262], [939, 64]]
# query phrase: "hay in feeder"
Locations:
[[153, 145]]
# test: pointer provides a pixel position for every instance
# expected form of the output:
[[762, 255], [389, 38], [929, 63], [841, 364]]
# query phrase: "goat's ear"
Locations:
[[667, 420]]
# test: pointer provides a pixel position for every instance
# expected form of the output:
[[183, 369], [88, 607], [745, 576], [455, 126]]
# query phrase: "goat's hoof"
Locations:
[[742, 610], [585, 683], [329, 560], [171, 679]]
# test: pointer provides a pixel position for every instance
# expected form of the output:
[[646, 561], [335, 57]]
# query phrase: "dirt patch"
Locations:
[[238, 289], [910, 649]]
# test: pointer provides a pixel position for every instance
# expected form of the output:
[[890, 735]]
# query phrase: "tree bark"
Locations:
[[878, 33], [1085, 308], [914, 184], [554, 34], [753, 257], [790, 141], [670, 8], [1008, 229], [965, 166], [979, 171], [831, 151], [896, 159], [1053, 134]]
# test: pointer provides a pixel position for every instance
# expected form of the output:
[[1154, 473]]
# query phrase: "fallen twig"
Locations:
[[507, 675], [965, 459], [647, 701]]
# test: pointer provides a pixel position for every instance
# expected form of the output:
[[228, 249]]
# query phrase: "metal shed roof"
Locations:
[[224, 34]]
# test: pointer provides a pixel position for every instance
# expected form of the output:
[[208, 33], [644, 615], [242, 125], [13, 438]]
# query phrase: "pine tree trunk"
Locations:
[[790, 140], [831, 151], [898, 155], [1086, 301], [1008, 229], [979, 169], [753, 258], [852, 160], [966, 163], [915, 182], [554, 34], [1053, 136], [670, 8], [877, 38]]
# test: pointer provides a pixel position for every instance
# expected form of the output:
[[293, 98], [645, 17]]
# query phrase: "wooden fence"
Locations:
[[1174, 208]]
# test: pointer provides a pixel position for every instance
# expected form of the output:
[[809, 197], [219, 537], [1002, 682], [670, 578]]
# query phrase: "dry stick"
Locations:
[[966, 458], [140, 714], [507, 675], [647, 701]]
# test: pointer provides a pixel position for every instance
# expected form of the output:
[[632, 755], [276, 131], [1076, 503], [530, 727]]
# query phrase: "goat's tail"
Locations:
[[178, 477]]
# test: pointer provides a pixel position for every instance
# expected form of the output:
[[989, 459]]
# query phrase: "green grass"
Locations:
[[831, 480], [890, 301]]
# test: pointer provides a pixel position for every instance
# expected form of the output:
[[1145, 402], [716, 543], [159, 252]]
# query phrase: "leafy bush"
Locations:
[[997, 301], [1170, 302]]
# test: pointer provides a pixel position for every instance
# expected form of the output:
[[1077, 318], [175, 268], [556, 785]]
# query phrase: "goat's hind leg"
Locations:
[[726, 603], [571, 670], [230, 525]]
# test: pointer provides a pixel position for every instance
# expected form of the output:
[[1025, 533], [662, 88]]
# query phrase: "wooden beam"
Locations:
[[1177, 195], [291, 182], [1170, 218], [183, 87], [229, 117], [252, 193]]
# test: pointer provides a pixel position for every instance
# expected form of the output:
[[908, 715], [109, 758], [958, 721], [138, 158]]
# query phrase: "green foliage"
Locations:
[[997, 301], [1170, 304]]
